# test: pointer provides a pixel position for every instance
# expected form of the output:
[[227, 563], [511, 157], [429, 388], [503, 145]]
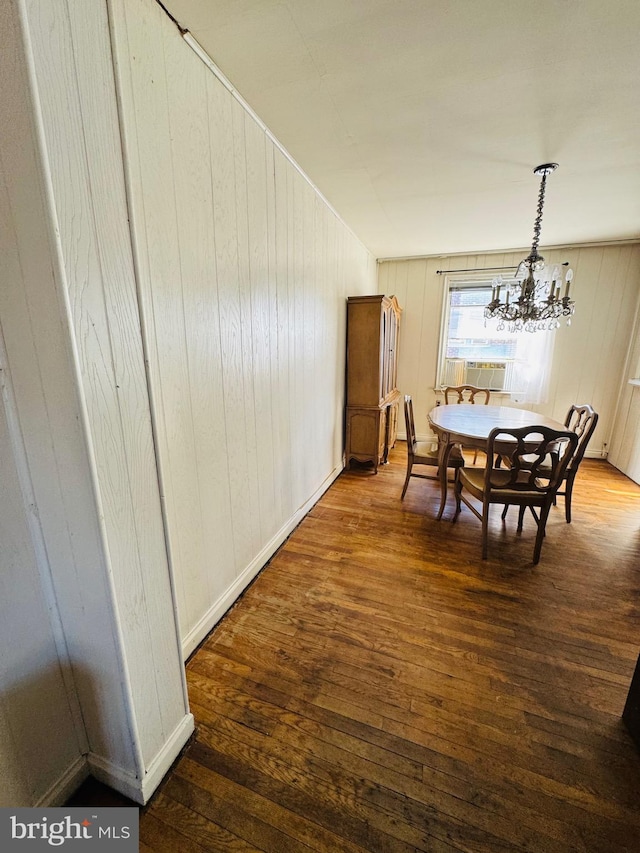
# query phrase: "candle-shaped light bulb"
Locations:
[[568, 278]]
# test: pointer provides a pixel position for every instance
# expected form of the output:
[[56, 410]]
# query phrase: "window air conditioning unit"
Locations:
[[454, 372], [486, 374]]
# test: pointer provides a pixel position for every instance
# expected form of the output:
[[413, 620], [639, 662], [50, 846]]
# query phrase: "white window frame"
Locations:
[[459, 282]]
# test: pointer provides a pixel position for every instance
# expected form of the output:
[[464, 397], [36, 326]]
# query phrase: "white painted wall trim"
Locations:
[[140, 790], [59, 793], [217, 610], [160, 765]]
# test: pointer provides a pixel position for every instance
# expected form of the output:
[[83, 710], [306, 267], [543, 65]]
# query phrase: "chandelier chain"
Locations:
[[537, 225]]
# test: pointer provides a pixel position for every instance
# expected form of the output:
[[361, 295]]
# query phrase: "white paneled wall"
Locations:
[[40, 742], [81, 420], [72, 55], [244, 272], [624, 450], [45, 500], [589, 356]]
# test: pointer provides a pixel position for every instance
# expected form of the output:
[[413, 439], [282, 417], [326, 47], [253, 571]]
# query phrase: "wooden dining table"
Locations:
[[470, 426]]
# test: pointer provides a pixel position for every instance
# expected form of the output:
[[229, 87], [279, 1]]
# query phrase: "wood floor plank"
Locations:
[[301, 828], [332, 808], [195, 827], [369, 786]]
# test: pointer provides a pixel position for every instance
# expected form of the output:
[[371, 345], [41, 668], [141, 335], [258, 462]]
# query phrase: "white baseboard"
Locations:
[[164, 759], [63, 788], [127, 783], [213, 615]]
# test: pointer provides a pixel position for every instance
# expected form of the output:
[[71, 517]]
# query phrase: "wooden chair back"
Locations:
[[582, 420], [409, 424], [537, 458], [466, 394], [421, 453]]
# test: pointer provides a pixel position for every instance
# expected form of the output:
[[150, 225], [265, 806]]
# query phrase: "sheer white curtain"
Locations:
[[532, 366]]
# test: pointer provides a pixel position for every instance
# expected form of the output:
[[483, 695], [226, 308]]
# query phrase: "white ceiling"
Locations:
[[421, 121]]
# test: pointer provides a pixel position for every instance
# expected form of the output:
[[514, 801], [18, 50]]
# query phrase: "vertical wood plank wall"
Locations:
[[39, 742], [589, 356], [112, 583], [244, 272], [47, 515]]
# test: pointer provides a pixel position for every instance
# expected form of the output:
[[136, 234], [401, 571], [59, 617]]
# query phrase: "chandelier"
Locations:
[[533, 300]]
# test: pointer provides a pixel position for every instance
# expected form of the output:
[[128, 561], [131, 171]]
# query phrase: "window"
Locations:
[[474, 352]]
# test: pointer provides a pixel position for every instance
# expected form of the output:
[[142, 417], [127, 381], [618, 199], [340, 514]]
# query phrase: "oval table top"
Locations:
[[474, 423]]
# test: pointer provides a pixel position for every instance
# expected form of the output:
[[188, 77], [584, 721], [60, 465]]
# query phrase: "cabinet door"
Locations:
[[364, 355], [382, 353], [387, 339], [365, 435], [393, 347], [388, 349]]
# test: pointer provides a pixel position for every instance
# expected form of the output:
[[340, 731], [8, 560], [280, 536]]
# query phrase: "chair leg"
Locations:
[[457, 488], [521, 512], [544, 513], [505, 510], [485, 529], [567, 496], [406, 482]]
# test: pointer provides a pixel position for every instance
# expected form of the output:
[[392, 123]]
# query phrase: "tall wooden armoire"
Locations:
[[373, 325]]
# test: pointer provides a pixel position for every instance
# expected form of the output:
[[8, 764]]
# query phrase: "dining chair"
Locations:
[[538, 457], [582, 420], [421, 453], [466, 394]]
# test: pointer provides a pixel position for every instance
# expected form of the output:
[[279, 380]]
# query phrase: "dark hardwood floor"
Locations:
[[381, 688]]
